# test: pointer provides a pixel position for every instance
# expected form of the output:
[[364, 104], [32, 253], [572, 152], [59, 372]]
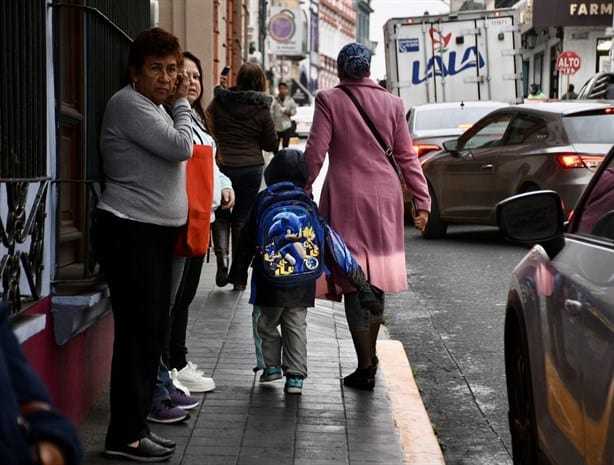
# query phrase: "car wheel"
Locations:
[[520, 399], [435, 227]]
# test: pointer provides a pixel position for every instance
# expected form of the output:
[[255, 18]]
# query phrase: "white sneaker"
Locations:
[[193, 381], [178, 384], [194, 368]]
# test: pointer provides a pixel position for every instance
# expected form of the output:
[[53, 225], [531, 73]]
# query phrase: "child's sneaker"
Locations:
[[270, 374], [294, 384]]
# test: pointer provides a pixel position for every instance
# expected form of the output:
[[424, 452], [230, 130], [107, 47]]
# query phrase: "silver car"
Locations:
[[517, 149], [559, 326]]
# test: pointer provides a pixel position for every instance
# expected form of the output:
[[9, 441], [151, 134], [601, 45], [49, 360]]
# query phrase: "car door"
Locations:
[[524, 154], [466, 177], [594, 229], [576, 422]]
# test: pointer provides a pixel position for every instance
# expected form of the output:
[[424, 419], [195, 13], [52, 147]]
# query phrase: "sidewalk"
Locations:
[[245, 422]]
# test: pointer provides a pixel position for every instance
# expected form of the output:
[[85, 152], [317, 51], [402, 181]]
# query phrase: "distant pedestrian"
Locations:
[[275, 305], [535, 93], [362, 197], [570, 94], [283, 109]]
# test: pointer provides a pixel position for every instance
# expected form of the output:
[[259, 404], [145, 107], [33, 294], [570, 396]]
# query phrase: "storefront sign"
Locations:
[[572, 13], [287, 31]]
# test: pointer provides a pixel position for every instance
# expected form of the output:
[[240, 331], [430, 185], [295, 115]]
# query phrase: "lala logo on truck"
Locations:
[[436, 66]]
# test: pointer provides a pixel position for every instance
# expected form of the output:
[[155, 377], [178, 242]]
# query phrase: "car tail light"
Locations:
[[579, 160], [423, 149]]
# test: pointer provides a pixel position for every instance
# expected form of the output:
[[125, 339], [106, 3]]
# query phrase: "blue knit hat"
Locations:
[[354, 61]]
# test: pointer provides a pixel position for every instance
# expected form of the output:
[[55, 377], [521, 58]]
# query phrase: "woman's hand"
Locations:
[[228, 199], [182, 85], [421, 220], [50, 454]]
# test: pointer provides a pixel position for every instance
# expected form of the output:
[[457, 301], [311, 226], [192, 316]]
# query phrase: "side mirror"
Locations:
[[533, 218], [451, 145]]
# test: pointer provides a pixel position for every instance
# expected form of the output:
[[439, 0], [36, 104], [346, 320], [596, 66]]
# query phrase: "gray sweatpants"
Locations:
[[293, 338]]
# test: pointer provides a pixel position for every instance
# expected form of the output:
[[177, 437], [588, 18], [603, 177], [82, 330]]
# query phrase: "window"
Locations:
[[490, 134], [594, 128], [527, 129]]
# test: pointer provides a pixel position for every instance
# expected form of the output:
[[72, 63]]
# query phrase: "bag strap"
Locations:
[[378, 136]]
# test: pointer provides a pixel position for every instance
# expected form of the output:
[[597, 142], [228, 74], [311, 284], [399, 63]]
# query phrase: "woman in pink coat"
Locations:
[[362, 196]]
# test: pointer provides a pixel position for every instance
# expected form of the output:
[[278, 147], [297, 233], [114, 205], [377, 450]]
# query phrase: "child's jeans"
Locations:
[[293, 338]]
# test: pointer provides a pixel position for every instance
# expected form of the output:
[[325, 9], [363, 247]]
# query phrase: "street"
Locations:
[[451, 325]]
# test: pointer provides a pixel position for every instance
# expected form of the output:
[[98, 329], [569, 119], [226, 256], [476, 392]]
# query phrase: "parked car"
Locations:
[[520, 148], [303, 118], [598, 86], [559, 326], [431, 124]]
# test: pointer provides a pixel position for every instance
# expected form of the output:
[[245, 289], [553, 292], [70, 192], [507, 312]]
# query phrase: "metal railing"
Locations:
[[24, 223]]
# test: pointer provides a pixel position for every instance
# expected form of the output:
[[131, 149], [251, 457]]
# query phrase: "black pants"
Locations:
[[284, 138], [136, 261], [175, 353]]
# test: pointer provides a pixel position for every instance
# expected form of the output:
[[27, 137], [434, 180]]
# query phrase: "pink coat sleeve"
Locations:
[[408, 162]]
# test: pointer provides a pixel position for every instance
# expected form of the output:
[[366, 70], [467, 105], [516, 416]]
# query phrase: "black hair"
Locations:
[[287, 165], [155, 42]]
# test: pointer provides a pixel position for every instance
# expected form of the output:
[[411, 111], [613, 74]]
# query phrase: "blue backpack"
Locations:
[[290, 236]]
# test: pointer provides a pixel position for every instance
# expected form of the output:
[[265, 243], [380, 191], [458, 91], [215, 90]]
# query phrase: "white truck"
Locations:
[[461, 56]]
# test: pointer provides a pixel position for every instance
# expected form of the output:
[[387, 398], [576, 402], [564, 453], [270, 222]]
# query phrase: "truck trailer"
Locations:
[[453, 57]]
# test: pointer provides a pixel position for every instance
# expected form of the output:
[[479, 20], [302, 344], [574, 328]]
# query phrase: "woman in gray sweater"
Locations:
[[143, 205]]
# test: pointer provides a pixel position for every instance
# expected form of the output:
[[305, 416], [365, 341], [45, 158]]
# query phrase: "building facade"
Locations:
[[338, 21], [71, 57], [553, 26]]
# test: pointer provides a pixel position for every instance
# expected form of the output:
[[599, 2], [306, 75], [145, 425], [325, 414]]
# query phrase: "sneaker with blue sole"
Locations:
[[294, 384], [270, 374]]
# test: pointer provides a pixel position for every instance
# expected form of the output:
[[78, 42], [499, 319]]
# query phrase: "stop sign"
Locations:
[[568, 62]]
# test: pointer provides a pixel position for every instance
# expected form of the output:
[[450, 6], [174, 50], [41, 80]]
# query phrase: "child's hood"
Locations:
[[287, 165]]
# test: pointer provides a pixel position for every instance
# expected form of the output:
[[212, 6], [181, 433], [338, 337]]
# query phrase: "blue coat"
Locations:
[[19, 384]]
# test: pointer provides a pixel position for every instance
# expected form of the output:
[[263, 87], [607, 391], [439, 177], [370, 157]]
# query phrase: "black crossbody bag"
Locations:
[[387, 150]]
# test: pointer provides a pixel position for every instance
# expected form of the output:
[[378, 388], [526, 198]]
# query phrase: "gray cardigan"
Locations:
[[143, 153]]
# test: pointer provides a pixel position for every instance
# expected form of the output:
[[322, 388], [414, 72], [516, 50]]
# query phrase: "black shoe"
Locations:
[[168, 443], [146, 451], [362, 378], [221, 275]]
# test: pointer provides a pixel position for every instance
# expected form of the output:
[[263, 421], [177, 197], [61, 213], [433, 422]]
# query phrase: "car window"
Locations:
[[488, 134], [527, 129], [597, 215], [591, 128], [461, 118]]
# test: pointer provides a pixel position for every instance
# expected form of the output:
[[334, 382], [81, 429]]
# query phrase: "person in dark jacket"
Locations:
[[239, 118], [31, 431], [275, 306]]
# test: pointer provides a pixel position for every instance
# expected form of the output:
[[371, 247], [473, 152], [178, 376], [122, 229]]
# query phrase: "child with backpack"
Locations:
[[284, 241]]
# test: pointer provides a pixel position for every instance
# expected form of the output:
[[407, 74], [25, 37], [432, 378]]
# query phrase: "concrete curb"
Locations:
[[418, 440]]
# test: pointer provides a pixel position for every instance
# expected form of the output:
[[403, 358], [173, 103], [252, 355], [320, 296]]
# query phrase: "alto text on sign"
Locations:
[[568, 62]]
